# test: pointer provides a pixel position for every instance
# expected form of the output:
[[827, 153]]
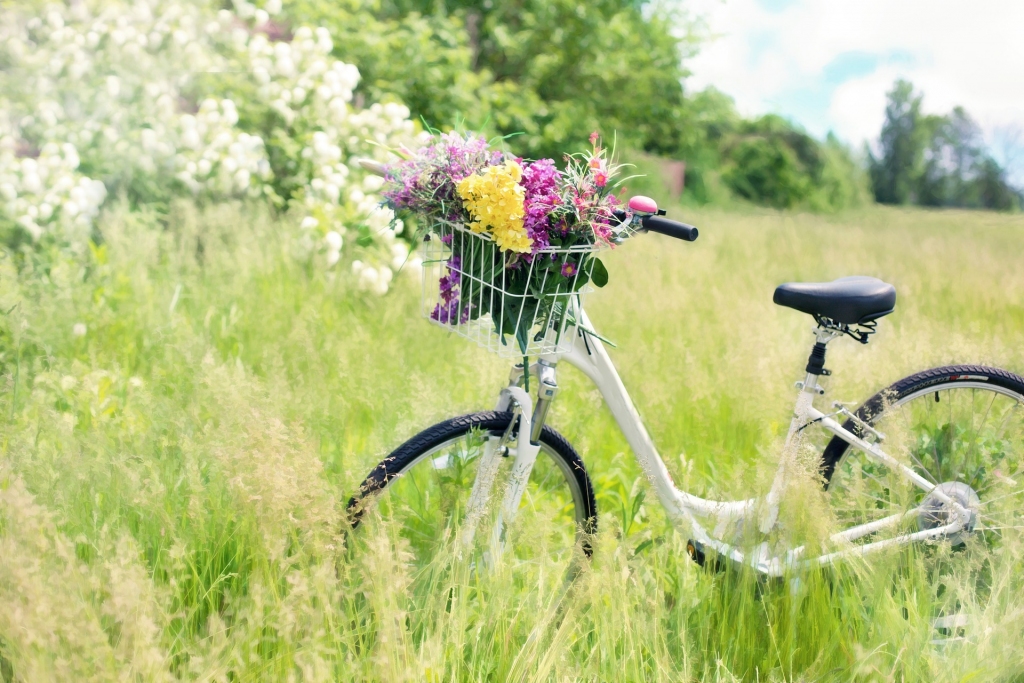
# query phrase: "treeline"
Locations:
[[548, 72], [933, 160]]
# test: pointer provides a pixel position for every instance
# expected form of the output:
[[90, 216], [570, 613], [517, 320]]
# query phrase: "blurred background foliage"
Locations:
[[547, 72], [935, 160]]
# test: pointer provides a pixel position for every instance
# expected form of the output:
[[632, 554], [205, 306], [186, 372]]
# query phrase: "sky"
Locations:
[[827, 64]]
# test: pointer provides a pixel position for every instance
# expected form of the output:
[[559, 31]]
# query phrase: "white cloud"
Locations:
[[970, 54]]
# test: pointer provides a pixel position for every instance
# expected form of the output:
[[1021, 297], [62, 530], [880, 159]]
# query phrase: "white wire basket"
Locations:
[[529, 310]]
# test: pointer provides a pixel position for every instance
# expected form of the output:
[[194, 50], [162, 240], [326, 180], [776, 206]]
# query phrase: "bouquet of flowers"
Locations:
[[518, 236]]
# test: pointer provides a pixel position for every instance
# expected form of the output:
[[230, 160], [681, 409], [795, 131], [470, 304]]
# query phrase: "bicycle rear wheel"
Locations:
[[962, 428], [423, 488]]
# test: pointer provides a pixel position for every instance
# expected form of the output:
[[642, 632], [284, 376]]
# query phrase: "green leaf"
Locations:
[[598, 273], [522, 337], [642, 547]]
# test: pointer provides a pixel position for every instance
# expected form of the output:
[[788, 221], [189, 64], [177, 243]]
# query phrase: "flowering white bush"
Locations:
[[46, 193], [311, 92], [212, 155], [158, 98]]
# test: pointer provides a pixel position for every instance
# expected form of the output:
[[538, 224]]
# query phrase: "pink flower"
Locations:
[[600, 178], [594, 137]]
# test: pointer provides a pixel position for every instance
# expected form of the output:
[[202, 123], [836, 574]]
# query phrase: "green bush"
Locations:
[[772, 162], [548, 72]]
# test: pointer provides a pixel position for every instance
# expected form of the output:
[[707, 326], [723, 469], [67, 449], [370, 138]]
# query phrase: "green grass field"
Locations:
[[173, 482]]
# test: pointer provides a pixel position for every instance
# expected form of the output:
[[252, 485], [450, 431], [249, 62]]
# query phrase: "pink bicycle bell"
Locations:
[[643, 205]]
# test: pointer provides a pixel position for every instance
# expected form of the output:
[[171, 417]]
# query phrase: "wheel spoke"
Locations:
[[984, 421], [426, 499], [973, 448], [998, 498]]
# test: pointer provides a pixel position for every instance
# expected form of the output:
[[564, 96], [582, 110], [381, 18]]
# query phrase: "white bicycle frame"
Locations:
[[684, 509], [691, 513]]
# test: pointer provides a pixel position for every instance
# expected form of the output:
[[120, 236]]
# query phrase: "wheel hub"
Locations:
[[935, 513]]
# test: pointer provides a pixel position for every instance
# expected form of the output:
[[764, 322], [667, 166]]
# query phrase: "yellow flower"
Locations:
[[494, 199]]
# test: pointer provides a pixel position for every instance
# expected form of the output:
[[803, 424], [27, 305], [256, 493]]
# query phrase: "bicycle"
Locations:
[[957, 480]]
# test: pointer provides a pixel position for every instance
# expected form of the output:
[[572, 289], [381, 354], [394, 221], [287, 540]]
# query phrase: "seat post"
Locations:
[[816, 361]]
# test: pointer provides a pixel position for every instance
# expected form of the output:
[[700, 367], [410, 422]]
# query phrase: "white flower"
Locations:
[[127, 65], [332, 192], [368, 278], [333, 240], [242, 179], [379, 219], [399, 255], [308, 223], [384, 276], [30, 226], [78, 330], [32, 183]]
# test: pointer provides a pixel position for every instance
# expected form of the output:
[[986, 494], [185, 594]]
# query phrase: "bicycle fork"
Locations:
[[526, 454]]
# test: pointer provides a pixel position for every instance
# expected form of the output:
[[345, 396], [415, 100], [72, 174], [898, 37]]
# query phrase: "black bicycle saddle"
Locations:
[[848, 300]]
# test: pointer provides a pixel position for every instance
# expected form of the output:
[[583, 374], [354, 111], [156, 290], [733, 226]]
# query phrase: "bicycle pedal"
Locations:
[[696, 552]]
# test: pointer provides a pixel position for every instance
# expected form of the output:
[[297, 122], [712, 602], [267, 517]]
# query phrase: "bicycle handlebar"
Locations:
[[663, 226]]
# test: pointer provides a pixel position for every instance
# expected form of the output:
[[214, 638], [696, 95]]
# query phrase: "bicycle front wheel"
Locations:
[[422, 492], [961, 428]]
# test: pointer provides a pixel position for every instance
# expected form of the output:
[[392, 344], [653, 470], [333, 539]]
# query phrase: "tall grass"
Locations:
[[173, 482]]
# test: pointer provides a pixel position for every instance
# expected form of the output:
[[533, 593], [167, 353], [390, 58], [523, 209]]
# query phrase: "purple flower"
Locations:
[[569, 269], [449, 311], [427, 180], [540, 180]]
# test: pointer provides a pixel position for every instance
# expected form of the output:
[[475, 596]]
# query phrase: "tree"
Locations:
[[952, 157], [935, 160], [993, 189], [547, 71], [901, 147], [771, 162], [957, 170]]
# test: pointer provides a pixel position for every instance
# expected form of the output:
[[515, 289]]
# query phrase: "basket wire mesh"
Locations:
[[525, 310]]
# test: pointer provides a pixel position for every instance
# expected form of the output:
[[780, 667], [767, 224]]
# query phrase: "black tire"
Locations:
[[412, 451], [937, 378], [961, 428]]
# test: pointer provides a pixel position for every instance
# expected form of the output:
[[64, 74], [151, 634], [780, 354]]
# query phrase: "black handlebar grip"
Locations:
[[681, 231]]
